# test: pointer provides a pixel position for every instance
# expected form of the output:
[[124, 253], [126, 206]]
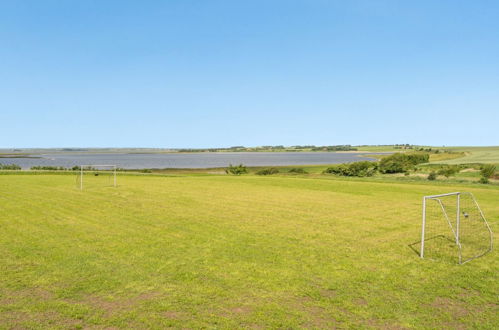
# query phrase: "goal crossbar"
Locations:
[[442, 195], [91, 168]]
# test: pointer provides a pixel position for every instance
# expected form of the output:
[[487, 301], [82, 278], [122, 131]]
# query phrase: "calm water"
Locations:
[[192, 160]]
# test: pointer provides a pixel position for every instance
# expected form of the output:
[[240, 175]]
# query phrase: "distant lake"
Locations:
[[188, 160]]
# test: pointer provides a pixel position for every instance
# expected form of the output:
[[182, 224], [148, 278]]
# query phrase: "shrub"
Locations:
[[418, 158], [236, 170], [268, 171], [360, 169], [448, 170], [484, 180], [402, 162], [298, 170], [48, 168], [432, 176], [10, 167], [393, 165], [336, 169], [487, 171]]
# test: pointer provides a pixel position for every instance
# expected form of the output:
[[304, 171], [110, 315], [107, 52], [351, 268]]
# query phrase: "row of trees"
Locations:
[[54, 168], [44, 168], [346, 147], [10, 167], [241, 169]]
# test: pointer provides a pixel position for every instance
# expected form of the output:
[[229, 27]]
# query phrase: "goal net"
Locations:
[[96, 176], [454, 228]]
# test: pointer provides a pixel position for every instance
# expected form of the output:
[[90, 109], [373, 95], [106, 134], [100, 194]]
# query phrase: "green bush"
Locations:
[[10, 167], [402, 162], [236, 170], [268, 171], [487, 171], [360, 169], [484, 180], [298, 170], [432, 176], [418, 158], [448, 170], [48, 168]]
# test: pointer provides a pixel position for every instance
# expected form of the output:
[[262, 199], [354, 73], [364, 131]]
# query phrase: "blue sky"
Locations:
[[222, 73]]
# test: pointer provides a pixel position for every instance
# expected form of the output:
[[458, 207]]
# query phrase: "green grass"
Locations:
[[458, 155], [444, 156], [230, 252], [474, 155]]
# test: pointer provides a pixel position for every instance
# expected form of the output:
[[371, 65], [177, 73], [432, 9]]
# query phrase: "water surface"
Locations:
[[187, 160]]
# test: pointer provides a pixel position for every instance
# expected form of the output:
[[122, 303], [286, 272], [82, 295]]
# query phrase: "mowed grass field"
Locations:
[[229, 252]]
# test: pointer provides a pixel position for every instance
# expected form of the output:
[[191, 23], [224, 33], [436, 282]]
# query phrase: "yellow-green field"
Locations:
[[475, 155], [219, 251], [448, 155]]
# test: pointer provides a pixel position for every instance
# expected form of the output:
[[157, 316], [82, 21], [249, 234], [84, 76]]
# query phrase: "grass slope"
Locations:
[[228, 252], [475, 155]]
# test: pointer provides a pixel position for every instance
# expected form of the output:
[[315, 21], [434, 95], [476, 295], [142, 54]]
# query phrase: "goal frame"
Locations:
[[458, 220], [82, 168]]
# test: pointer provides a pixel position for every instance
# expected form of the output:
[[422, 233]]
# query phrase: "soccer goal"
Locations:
[[102, 175], [454, 228]]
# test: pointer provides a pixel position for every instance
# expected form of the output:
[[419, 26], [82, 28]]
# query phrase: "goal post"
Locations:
[[454, 228], [97, 169]]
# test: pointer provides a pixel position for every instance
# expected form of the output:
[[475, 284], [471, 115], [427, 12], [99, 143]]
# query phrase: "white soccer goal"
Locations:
[[454, 228], [96, 171]]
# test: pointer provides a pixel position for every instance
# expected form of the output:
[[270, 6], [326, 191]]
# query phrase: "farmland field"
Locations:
[[219, 251], [475, 155]]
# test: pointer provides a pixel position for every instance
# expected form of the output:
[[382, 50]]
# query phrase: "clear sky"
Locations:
[[208, 73]]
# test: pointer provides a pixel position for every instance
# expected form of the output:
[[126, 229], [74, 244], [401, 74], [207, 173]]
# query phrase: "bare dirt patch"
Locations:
[[459, 309], [466, 293], [374, 323], [13, 297], [456, 308], [174, 315], [318, 317], [22, 320], [242, 310], [235, 311], [110, 307], [360, 302], [467, 170], [328, 293]]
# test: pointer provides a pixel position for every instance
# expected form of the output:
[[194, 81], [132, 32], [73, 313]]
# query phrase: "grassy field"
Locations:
[[475, 155], [218, 251], [457, 155]]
